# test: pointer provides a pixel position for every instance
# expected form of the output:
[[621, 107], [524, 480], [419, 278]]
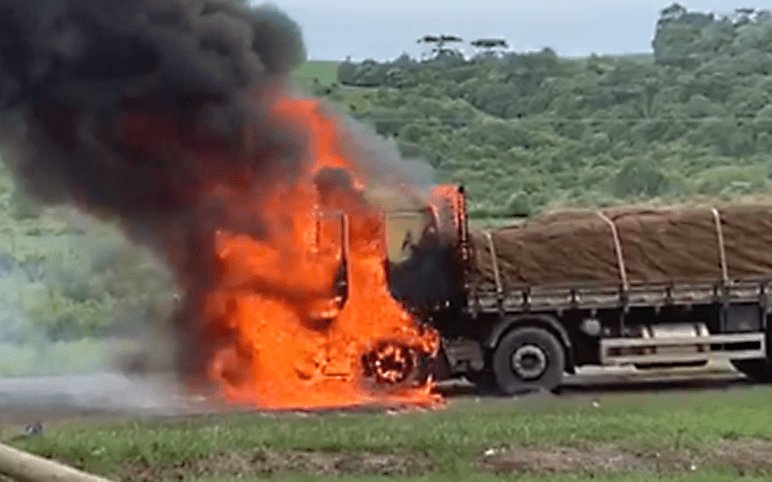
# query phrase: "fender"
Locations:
[[545, 321]]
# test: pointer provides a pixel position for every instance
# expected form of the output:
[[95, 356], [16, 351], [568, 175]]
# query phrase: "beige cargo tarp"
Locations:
[[650, 246]]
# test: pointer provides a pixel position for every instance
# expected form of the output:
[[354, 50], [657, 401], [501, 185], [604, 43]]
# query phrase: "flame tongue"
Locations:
[[295, 340]]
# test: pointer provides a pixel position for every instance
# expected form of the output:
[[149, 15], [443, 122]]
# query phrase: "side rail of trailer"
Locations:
[[486, 298]]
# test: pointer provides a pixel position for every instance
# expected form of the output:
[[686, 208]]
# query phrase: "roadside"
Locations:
[[610, 436], [56, 398], [612, 426]]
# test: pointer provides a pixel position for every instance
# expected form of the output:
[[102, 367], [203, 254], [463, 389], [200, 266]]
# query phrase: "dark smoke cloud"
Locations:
[[144, 110], [76, 70]]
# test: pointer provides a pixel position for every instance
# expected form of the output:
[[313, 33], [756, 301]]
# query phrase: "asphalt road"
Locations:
[[26, 400]]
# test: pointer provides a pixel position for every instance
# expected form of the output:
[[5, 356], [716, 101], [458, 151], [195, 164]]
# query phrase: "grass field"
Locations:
[[698, 436], [325, 72]]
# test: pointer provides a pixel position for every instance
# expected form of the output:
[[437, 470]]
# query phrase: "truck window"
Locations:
[[404, 231]]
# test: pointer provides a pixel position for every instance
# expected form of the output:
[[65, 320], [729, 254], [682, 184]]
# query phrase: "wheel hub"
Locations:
[[529, 362], [391, 363]]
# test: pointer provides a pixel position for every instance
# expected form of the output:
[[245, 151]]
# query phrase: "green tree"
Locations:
[[441, 45], [639, 177]]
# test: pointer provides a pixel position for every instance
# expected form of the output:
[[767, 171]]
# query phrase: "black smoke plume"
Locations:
[[151, 111]]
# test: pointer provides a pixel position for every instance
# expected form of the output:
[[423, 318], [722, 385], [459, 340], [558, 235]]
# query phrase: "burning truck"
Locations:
[[518, 307]]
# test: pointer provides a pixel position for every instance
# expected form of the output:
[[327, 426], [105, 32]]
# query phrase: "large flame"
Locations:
[[300, 339]]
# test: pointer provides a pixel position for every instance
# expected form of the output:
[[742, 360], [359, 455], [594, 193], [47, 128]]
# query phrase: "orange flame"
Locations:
[[299, 339]]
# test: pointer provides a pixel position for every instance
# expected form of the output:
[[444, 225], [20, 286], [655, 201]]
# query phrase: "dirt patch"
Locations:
[[264, 463], [744, 456], [566, 460]]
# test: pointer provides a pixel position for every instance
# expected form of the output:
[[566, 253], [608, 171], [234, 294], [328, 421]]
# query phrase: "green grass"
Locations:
[[325, 72], [454, 438]]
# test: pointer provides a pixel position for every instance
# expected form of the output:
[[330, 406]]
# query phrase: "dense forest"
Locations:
[[525, 131]]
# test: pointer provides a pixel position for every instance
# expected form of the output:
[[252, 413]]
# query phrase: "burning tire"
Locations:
[[528, 360], [395, 364]]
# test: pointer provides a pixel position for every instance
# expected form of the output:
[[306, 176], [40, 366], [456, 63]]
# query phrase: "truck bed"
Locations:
[[624, 259], [628, 248]]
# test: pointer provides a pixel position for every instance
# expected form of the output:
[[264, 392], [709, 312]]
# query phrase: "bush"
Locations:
[[639, 177], [519, 205], [732, 180]]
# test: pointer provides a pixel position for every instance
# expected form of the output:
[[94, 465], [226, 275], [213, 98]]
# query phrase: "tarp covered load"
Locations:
[[632, 246]]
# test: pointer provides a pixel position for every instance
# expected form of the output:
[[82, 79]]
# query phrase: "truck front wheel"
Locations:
[[528, 359]]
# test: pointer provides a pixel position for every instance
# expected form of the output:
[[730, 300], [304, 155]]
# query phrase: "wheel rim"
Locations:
[[529, 362]]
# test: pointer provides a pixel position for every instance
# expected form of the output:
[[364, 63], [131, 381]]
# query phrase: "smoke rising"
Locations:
[[86, 76]]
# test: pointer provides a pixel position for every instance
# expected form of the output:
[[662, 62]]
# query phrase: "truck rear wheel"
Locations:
[[528, 359], [757, 370]]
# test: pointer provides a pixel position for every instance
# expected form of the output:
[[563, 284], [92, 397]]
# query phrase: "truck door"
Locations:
[[418, 260], [331, 246]]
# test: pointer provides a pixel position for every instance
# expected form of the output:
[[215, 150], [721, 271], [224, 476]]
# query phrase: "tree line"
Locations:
[[447, 45], [526, 131]]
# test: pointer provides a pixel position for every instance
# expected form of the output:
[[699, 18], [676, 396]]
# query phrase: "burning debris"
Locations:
[[174, 116]]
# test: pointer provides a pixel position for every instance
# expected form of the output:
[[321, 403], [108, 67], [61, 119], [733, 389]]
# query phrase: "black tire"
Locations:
[[756, 370], [528, 360]]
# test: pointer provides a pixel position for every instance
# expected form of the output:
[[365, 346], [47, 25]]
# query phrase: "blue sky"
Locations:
[[334, 29]]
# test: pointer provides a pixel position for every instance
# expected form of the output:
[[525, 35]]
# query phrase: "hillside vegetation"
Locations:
[[525, 131], [316, 74]]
